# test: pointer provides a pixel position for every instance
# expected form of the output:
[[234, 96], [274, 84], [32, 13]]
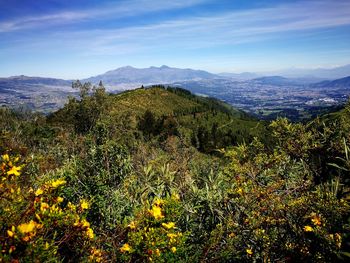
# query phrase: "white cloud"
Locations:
[[206, 31], [228, 28], [119, 9]]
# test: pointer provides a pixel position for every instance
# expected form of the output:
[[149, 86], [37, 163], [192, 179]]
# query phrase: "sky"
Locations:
[[82, 38]]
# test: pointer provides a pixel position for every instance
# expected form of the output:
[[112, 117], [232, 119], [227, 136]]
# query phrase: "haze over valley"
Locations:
[[300, 97]]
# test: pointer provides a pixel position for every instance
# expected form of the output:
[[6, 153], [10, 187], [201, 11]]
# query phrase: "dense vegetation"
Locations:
[[161, 175]]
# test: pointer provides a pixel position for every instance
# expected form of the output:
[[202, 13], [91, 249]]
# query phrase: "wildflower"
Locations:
[[84, 204], [125, 248], [132, 225], [156, 212], [14, 170], [173, 249], [44, 206], [338, 240], [316, 220], [176, 197], [39, 192], [90, 233], [169, 225], [71, 206], [308, 229], [157, 252], [59, 199], [58, 183], [171, 235], [5, 157], [232, 235], [158, 202], [249, 251], [27, 227], [85, 223], [96, 255], [10, 233]]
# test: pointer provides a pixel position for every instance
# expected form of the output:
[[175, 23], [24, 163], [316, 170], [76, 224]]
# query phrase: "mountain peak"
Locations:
[[152, 75]]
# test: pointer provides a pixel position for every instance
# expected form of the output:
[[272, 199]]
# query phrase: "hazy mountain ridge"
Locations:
[[343, 82], [263, 96], [151, 75]]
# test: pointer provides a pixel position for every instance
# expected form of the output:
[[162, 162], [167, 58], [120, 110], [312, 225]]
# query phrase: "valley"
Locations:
[[266, 98]]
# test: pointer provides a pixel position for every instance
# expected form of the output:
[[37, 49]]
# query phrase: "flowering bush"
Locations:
[[39, 223], [153, 235]]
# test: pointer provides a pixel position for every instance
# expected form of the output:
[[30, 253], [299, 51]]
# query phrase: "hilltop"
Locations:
[[199, 120]]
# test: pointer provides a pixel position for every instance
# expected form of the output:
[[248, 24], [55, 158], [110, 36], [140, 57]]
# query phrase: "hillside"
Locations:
[[338, 83], [162, 175], [266, 97], [192, 116]]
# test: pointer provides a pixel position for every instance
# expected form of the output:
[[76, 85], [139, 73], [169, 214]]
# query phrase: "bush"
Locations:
[[38, 223]]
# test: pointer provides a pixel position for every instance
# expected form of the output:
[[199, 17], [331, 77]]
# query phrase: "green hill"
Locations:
[[207, 123], [162, 175]]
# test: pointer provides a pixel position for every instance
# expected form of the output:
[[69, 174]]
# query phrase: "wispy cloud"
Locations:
[[120, 9], [205, 36], [228, 28]]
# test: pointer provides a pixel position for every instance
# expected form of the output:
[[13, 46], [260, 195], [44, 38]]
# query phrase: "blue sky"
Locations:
[[77, 39]]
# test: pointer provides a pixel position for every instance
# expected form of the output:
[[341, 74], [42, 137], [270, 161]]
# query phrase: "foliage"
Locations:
[[159, 174], [39, 223]]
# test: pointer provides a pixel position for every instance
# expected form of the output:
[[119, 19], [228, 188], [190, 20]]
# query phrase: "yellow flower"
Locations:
[[39, 192], [5, 157], [316, 220], [27, 227], [156, 212], [125, 248], [173, 249], [71, 206], [232, 235], [158, 202], [249, 251], [84, 204], [132, 225], [14, 170], [10, 233], [338, 240], [157, 252], [169, 225], [308, 229], [44, 206], [171, 235], [85, 223], [59, 199], [90, 233], [58, 183]]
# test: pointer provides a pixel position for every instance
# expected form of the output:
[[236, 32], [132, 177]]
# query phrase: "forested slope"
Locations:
[[161, 175]]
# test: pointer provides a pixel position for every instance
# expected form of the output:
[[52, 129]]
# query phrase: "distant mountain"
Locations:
[[25, 80], [239, 76], [323, 73], [151, 75], [338, 83], [273, 80]]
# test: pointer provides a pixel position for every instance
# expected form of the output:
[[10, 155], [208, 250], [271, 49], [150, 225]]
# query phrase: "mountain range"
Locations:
[[130, 77], [258, 95], [148, 76]]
